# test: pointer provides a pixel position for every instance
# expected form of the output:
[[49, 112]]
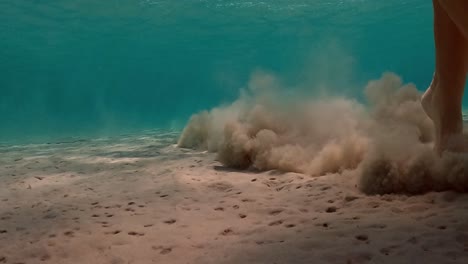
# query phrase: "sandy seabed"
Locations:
[[141, 199]]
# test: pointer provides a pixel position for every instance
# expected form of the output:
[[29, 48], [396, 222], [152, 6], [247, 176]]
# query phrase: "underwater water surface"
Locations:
[[88, 68]]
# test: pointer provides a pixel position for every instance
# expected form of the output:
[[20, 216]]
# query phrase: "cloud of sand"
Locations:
[[388, 141]]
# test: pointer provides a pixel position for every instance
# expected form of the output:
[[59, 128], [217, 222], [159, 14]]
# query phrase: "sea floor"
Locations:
[[140, 199]]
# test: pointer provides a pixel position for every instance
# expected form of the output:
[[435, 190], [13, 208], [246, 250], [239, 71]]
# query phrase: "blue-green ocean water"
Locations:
[[87, 67]]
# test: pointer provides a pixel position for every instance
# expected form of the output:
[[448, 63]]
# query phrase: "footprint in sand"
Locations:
[[163, 250], [115, 232], [133, 233], [186, 208], [276, 211], [51, 243], [242, 216], [170, 221], [69, 233], [362, 237], [275, 223], [227, 231]]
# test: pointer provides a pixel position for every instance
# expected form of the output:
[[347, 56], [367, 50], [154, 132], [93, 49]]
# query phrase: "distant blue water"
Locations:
[[87, 67]]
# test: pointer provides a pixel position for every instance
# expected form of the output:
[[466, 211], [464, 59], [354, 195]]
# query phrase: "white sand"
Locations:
[[139, 199]]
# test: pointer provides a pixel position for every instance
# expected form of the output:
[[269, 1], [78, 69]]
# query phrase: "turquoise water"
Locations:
[[87, 67]]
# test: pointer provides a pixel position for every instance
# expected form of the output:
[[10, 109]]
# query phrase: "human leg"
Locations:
[[443, 100], [457, 10]]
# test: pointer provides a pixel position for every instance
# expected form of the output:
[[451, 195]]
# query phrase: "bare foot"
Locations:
[[448, 128], [455, 143]]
